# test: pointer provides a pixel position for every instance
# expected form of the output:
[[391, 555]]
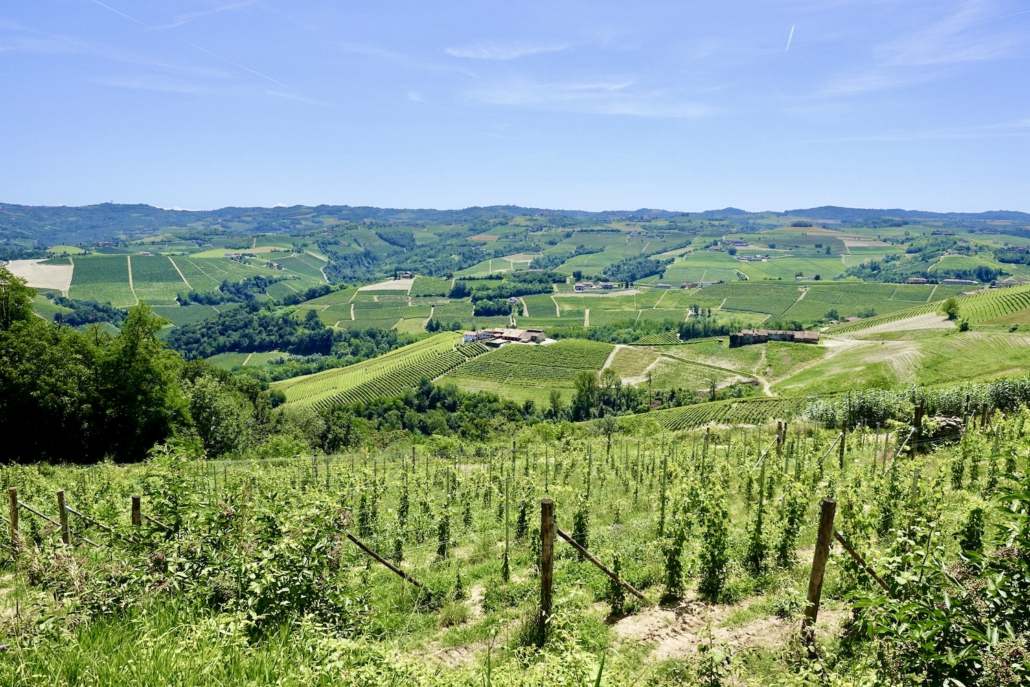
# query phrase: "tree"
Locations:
[[142, 400], [951, 308], [584, 399], [556, 405], [221, 415], [15, 299]]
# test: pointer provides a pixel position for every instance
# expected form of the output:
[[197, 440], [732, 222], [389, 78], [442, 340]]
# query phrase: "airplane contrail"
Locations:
[[790, 37], [193, 45]]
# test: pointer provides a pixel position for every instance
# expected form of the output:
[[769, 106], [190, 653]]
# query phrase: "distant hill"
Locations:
[[25, 226]]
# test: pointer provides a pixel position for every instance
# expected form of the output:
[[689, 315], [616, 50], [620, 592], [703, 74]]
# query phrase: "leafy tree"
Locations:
[[15, 299], [951, 308], [143, 402]]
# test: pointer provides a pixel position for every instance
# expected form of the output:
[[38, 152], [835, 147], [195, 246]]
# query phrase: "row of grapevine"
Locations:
[[745, 411], [575, 354], [309, 389], [995, 303], [848, 327], [397, 382], [661, 339]]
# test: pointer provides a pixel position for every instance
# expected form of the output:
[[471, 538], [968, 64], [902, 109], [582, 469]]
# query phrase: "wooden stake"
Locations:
[[546, 564], [382, 560], [137, 519], [15, 537], [822, 551], [861, 561], [586, 554], [843, 446], [66, 536]]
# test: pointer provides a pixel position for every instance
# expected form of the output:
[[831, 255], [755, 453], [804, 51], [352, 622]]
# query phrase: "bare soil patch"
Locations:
[[678, 631], [390, 285], [39, 276]]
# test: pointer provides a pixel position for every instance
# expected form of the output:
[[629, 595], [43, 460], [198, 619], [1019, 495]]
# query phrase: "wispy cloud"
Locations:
[[503, 51], [297, 98], [615, 97], [967, 34], [154, 82], [1013, 129], [182, 19], [192, 45], [401, 59]]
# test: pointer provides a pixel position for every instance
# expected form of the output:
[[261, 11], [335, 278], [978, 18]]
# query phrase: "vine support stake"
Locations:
[[15, 537], [137, 518], [822, 551], [546, 565], [843, 446], [66, 536]]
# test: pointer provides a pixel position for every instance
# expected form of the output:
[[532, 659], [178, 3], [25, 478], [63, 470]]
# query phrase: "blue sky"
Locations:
[[586, 105]]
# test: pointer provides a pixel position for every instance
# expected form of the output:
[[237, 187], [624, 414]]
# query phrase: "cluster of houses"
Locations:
[[747, 337], [752, 258], [502, 335], [591, 286], [697, 284]]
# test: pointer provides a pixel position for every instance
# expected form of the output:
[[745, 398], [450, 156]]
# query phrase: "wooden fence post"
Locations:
[[843, 445], [66, 536], [822, 551], [137, 521], [918, 424], [15, 536], [546, 564]]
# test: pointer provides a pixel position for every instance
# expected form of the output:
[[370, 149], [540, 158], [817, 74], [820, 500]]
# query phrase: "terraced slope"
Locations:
[[388, 375]]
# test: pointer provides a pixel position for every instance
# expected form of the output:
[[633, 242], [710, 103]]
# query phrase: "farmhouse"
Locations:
[[747, 337], [501, 335], [915, 280], [591, 286], [960, 281]]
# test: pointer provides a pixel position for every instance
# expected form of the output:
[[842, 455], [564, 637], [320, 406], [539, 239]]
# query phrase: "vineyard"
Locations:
[[751, 411], [576, 354], [994, 304], [554, 365], [866, 323], [388, 375], [661, 339], [424, 565]]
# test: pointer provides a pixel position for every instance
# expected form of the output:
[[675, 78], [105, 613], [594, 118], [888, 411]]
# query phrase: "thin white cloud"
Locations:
[[193, 45], [193, 16], [967, 34], [415, 97], [297, 98], [153, 82], [502, 51], [594, 97], [1013, 129]]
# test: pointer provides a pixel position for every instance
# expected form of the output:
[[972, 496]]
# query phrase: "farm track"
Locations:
[[128, 260], [557, 308], [180, 273], [611, 357]]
